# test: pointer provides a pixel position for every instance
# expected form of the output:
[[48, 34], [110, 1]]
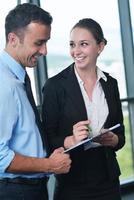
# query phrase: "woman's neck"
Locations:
[[89, 74], [89, 78]]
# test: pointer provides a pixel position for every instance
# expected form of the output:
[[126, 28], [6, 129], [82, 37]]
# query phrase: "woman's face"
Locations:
[[84, 48]]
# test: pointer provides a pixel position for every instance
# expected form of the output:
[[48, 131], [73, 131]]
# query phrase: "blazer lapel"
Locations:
[[107, 91], [72, 88]]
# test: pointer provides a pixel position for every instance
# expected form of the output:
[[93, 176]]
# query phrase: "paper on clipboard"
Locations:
[[92, 138]]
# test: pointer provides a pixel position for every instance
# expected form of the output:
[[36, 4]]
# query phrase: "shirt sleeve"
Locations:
[[8, 118]]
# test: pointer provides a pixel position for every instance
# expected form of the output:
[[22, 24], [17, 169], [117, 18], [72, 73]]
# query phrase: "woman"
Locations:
[[80, 96]]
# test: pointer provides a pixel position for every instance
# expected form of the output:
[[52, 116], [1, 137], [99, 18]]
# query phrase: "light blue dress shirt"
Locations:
[[18, 130]]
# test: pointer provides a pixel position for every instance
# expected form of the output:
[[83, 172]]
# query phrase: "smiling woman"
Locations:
[[79, 95], [111, 61]]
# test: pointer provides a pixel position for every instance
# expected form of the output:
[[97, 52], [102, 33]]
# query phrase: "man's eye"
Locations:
[[71, 44], [38, 43]]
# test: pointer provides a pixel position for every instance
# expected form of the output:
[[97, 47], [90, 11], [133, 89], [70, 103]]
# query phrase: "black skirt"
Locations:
[[104, 191]]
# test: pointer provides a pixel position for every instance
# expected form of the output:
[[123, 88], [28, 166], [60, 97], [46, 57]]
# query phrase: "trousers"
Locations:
[[15, 190]]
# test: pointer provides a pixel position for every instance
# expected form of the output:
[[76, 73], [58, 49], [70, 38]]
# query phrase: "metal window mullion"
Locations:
[[41, 76], [128, 55], [40, 72], [37, 2]]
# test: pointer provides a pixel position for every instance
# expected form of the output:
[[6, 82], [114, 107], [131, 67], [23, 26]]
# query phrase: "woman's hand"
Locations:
[[80, 132], [108, 139]]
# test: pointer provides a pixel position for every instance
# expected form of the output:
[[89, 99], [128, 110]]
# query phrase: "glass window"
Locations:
[[4, 9], [131, 2], [124, 155], [111, 59]]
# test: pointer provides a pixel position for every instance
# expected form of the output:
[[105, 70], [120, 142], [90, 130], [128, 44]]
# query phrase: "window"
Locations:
[[132, 14], [4, 9]]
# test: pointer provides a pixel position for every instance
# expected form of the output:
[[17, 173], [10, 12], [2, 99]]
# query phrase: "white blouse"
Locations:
[[97, 109]]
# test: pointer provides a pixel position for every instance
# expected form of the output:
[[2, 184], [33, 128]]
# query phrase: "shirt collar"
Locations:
[[13, 65], [78, 77], [100, 75]]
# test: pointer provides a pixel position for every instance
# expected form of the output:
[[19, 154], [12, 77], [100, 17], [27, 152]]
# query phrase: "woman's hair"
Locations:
[[92, 26]]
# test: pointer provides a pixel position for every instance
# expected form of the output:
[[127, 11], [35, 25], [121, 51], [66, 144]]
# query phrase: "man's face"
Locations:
[[33, 44]]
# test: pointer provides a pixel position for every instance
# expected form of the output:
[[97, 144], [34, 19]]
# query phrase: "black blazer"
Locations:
[[63, 106]]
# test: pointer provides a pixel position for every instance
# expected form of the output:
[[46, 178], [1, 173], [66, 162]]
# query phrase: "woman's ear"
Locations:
[[100, 47]]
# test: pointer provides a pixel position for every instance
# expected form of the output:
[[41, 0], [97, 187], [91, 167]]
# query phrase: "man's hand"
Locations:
[[59, 161]]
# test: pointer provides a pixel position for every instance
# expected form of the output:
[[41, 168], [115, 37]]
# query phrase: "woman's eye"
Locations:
[[84, 44]]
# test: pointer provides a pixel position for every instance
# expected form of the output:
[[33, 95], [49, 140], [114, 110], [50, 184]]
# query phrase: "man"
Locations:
[[23, 166]]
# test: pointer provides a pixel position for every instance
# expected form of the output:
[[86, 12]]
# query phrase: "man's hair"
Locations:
[[22, 15]]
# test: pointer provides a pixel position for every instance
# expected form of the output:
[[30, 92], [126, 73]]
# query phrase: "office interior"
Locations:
[[117, 20]]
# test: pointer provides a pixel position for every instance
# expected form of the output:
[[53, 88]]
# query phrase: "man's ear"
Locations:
[[12, 39]]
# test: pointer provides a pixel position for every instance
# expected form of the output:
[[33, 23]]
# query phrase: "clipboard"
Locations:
[[91, 139]]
